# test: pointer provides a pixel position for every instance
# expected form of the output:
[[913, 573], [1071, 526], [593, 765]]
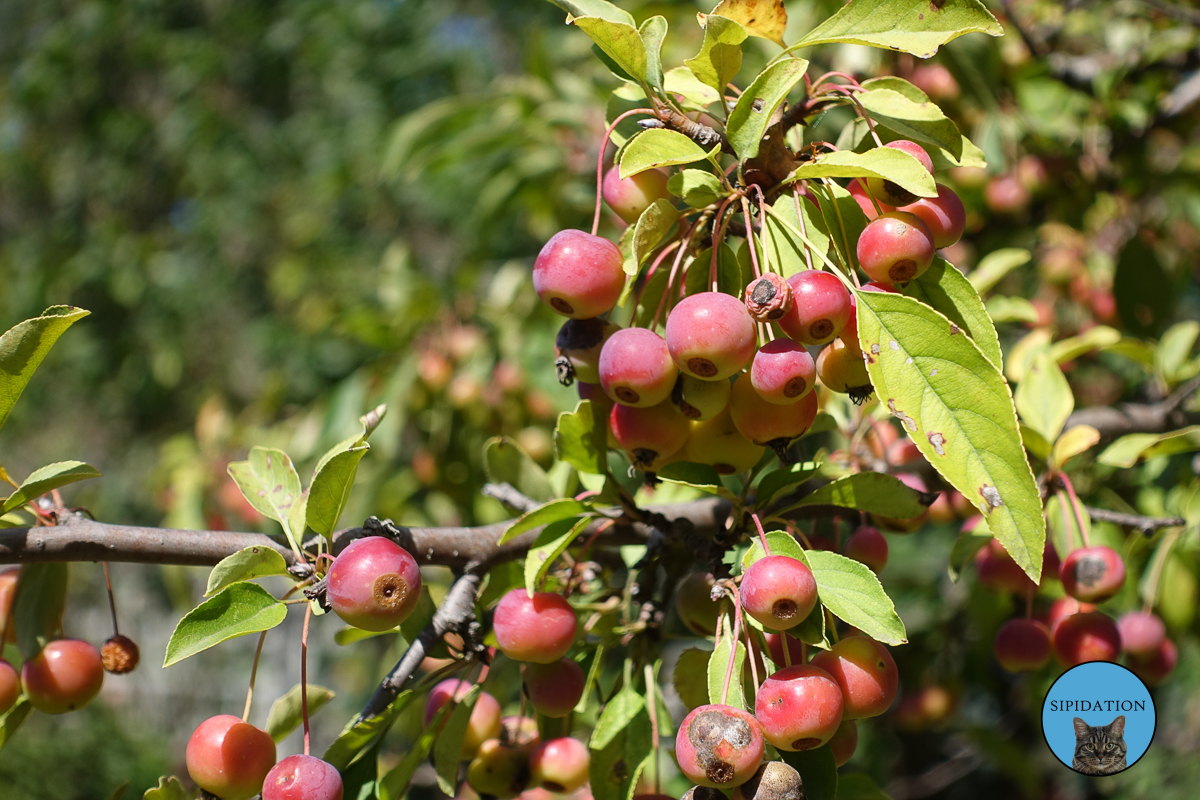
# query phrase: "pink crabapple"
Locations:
[[302, 777], [636, 368], [538, 629], [559, 765], [775, 648], [230, 758], [767, 423], [895, 248], [649, 436], [866, 673], [800, 707], [1092, 574], [778, 591], [555, 688], [711, 335], [630, 197], [868, 546], [1022, 645], [1141, 633], [844, 742], [1064, 607], [579, 275], [821, 307], [10, 686], [719, 746], [1086, 637], [1155, 668], [944, 215], [484, 722], [858, 190], [65, 676], [891, 193], [374, 584], [782, 372]]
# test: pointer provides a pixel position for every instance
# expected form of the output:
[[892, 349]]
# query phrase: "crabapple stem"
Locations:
[[761, 534], [1160, 558], [600, 160], [112, 603], [831, 625], [787, 648], [835, 74], [753, 667], [652, 702], [849, 254], [1066, 519], [803, 228], [253, 674], [737, 625], [304, 676], [1076, 507], [807, 243], [749, 243]]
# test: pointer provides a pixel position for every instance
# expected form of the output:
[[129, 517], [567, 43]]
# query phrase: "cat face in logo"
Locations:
[[1100, 749]]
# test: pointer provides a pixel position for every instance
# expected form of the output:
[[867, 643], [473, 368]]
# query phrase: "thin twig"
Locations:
[[1146, 525]]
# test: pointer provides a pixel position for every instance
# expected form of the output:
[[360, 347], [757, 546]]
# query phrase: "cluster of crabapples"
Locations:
[[1073, 629], [715, 387], [67, 674]]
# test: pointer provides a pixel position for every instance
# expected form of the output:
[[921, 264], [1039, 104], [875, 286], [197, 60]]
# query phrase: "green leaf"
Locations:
[[23, 346], [269, 481], [698, 476], [870, 492], [751, 116], [781, 544], [448, 751], [898, 85], [818, 771], [718, 667], [1021, 353], [1074, 441], [781, 247], [948, 291], [697, 187], [957, 408], [1011, 309], [1099, 337], [617, 716], [1175, 347], [729, 272], [38, 606], [858, 786], [919, 27], [543, 515], [653, 31], [691, 677], [881, 162], [1044, 398], [782, 479], [843, 219], [286, 713], [681, 81], [852, 592], [550, 544], [652, 227], [46, 479], [10, 722], [659, 147], [995, 265], [1128, 450], [620, 41], [169, 788], [331, 484], [360, 734], [965, 547], [580, 439], [236, 610], [119, 792], [244, 565], [920, 121], [765, 19], [621, 746], [720, 57], [595, 8], [505, 461]]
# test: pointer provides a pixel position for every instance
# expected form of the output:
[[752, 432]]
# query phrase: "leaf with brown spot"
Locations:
[[766, 19], [903, 25]]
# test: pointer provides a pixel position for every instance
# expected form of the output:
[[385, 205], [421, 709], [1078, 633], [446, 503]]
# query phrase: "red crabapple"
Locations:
[[774, 780], [778, 591], [841, 369], [858, 190], [942, 511], [10, 686], [1005, 194], [944, 215], [500, 770], [1092, 574], [579, 275], [554, 688], [782, 372], [636, 368], [1022, 645], [65, 676], [578, 344], [768, 298], [998, 572], [775, 647], [866, 673], [700, 400], [8, 591], [1155, 668], [374, 584], [484, 722], [903, 451], [868, 546], [895, 248], [694, 603], [302, 778], [719, 746], [649, 436], [800, 707], [1141, 633], [559, 765], [1086, 637], [821, 307], [844, 742], [631, 196], [1064, 607], [936, 81], [539, 629], [892, 193], [767, 423], [718, 443], [711, 335], [230, 758], [522, 731]]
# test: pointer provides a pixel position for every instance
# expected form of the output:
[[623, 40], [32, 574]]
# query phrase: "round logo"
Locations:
[[1098, 718]]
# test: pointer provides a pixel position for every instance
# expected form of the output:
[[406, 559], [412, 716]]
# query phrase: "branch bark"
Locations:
[[1116, 421], [1145, 525]]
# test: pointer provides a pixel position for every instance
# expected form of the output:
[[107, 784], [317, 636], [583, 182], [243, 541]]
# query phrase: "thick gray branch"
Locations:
[[1116, 421]]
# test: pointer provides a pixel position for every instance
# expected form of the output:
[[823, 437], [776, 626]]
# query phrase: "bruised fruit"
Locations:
[[774, 780], [120, 655], [579, 275], [230, 758], [374, 584], [778, 591], [768, 298], [719, 746], [538, 629], [800, 707], [636, 368], [1092, 574], [577, 349]]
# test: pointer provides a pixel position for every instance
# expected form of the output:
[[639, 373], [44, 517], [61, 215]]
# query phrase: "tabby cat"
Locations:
[[1099, 750]]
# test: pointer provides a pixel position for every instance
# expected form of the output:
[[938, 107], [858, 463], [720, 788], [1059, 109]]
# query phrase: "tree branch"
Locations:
[[1145, 525], [1116, 421]]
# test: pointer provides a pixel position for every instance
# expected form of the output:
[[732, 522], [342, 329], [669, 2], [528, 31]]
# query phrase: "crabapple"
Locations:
[[782, 372], [841, 369], [858, 190], [499, 769], [775, 647], [1022, 645], [579, 275], [778, 591], [998, 572], [868, 546], [630, 197], [800, 707], [1084, 637], [711, 335], [8, 591], [120, 655], [520, 731], [944, 214], [559, 765], [694, 603], [1155, 668], [602, 404], [896, 247], [1141, 633], [636, 368], [1092, 574], [774, 780], [65, 676], [767, 423], [578, 344], [821, 307], [891, 193], [718, 443], [698, 399], [896, 525], [844, 742], [942, 510], [649, 436], [302, 777], [484, 722], [769, 298], [554, 688], [230, 758], [866, 673], [1064, 607], [903, 451], [936, 81], [719, 746], [374, 584], [10, 686], [539, 629], [1005, 194]]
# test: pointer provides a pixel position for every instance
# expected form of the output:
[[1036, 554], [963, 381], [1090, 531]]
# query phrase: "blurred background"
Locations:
[[283, 213]]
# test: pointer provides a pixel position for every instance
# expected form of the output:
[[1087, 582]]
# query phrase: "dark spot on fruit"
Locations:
[[710, 728], [764, 292], [702, 367], [564, 370], [643, 457], [554, 786], [795, 387], [784, 609], [776, 314], [903, 270], [389, 591], [1090, 571], [897, 195], [689, 410], [627, 395], [724, 469], [580, 334], [562, 306], [719, 772], [821, 329], [806, 744]]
